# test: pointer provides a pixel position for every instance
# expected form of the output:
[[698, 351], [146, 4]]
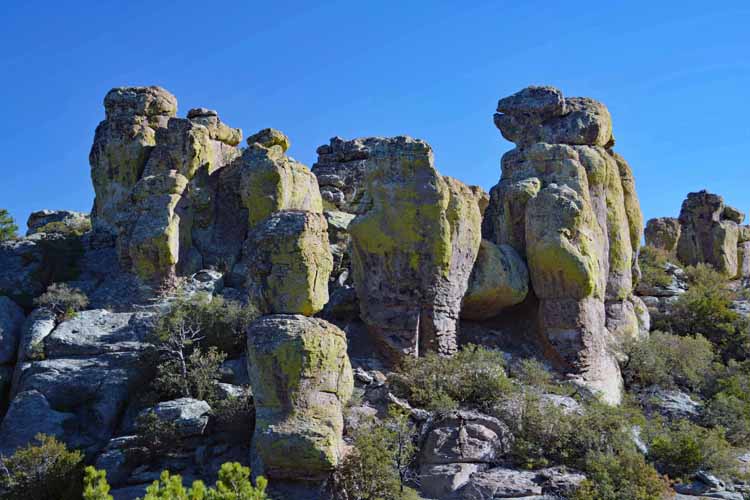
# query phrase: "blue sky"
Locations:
[[675, 76]]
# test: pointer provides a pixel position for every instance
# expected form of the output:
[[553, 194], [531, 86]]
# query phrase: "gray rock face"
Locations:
[[21, 263], [707, 235], [75, 380], [663, 233], [188, 414], [414, 249], [11, 319], [671, 404], [511, 483], [566, 202]]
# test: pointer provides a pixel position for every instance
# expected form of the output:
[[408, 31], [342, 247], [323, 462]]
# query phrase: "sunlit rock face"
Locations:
[[566, 202]]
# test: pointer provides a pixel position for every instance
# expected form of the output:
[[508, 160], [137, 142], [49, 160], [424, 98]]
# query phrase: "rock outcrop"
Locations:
[[300, 377], [710, 232], [58, 221], [663, 233], [566, 203], [414, 248]]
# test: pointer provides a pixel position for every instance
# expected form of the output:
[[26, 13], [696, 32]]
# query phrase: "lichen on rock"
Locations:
[[301, 378]]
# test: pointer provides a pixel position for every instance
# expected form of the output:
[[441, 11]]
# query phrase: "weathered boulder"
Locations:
[[122, 144], [499, 279], [663, 233], [567, 204], [58, 221], [466, 437], [707, 235], [11, 320], [300, 377], [287, 262], [272, 181], [501, 482], [414, 249], [190, 416]]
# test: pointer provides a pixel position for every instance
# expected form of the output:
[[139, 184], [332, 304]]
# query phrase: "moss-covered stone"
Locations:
[[288, 262], [271, 181], [414, 248], [301, 377], [498, 280]]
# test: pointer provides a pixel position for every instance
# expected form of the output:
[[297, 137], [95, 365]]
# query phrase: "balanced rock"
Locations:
[[287, 262], [272, 181], [663, 233], [500, 279], [708, 235], [301, 377], [567, 204], [414, 248]]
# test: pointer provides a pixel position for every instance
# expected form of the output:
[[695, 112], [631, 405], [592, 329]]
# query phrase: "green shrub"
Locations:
[[62, 300], [377, 467], [706, 309], [534, 373], [652, 262], [233, 484], [682, 448], [95, 486], [8, 227], [220, 323], [235, 414], [155, 438], [729, 401], [545, 434], [193, 339], [620, 476], [46, 470], [475, 377], [669, 361]]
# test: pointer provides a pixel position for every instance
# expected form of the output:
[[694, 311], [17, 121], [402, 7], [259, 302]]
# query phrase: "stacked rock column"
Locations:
[[567, 204], [298, 366]]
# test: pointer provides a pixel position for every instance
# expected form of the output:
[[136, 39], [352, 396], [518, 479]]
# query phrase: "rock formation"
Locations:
[[414, 248], [566, 203], [663, 233], [710, 232], [301, 378]]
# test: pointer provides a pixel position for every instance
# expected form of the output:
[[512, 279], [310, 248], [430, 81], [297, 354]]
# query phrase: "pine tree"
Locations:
[[8, 228]]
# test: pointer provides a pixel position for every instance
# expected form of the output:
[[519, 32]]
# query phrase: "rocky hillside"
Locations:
[[369, 328]]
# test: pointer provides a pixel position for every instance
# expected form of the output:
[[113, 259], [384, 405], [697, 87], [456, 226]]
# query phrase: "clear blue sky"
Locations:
[[675, 76]]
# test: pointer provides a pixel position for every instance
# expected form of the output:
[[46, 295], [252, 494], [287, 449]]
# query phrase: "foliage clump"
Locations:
[[193, 339], [45, 470], [653, 263], [95, 485], [378, 466], [233, 484], [8, 227], [64, 301], [669, 361], [473, 377], [706, 309], [682, 448], [620, 476]]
